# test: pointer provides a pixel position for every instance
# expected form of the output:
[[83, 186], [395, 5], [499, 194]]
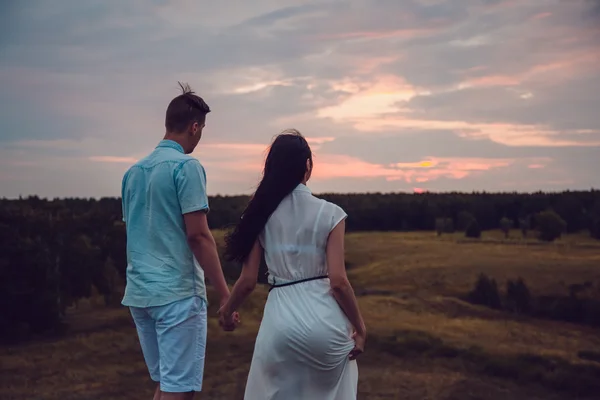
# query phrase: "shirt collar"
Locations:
[[170, 144], [302, 188]]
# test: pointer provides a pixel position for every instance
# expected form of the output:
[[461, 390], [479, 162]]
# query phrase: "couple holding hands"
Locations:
[[311, 331]]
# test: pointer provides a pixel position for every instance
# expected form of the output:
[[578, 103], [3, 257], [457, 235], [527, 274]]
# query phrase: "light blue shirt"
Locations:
[[156, 192]]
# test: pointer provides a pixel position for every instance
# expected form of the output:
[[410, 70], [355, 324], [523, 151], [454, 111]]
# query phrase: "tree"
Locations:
[[550, 225], [506, 225], [473, 230], [110, 284], [525, 225], [464, 219], [518, 297], [448, 225], [439, 225], [485, 293], [53, 252], [595, 228]]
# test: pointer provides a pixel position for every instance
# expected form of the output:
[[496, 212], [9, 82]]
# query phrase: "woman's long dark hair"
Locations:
[[285, 169]]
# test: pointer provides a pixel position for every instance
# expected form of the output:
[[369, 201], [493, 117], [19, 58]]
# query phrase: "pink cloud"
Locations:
[[329, 166], [113, 159], [477, 68], [380, 105], [462, 164], [233, 148], [493, 80], [564, 68], [370, 65], [55, 144], [541, 15], [381, 96], [383, 34], [319, 140]]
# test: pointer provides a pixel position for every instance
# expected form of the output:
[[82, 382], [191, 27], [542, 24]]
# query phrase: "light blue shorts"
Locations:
[[173, 340]]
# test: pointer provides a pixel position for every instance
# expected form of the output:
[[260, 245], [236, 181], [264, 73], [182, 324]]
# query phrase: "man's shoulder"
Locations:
[[185, 160], [167, 156], [186, 157]]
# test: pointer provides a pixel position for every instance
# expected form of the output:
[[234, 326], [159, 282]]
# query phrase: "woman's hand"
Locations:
[[359, 344], [228, 321]]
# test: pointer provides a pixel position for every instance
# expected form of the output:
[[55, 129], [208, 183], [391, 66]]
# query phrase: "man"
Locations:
[[168, 239]]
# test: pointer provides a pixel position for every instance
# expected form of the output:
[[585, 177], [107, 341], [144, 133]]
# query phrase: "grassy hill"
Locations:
[[425, 341]]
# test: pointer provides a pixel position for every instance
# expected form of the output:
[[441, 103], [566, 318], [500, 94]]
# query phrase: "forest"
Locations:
[[54, 252]]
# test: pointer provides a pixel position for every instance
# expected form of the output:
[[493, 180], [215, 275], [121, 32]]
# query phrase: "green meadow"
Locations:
[[426, 339]]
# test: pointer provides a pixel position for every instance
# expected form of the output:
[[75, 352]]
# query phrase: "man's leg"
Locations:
[[157, 392], [177, 396], [146, 329], [181, 331]]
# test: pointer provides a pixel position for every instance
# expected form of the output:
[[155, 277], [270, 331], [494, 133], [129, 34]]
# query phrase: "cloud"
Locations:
[[329, 166], [113, 159], [494, 94]]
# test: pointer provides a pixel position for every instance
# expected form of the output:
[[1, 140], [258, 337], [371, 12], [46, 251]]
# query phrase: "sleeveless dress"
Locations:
[[303, 344]]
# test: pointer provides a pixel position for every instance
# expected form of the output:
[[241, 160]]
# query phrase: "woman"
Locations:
[[312, 330]]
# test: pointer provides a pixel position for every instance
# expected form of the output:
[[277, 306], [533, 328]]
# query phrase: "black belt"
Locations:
[[314, 278]]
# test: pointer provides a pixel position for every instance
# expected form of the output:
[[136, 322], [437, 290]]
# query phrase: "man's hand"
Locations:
[[228, 321]]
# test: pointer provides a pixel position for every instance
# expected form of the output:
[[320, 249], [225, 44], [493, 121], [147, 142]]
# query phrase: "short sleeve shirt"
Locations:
[[156, 192], [295, 236]]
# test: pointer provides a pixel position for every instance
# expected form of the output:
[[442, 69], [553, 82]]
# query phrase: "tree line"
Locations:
[[54, 252]]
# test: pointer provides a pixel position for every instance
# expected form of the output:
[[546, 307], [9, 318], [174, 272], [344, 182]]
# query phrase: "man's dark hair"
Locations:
[[185, 109]]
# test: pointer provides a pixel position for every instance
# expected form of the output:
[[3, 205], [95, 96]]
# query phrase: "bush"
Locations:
[[518, 297], [589, 355], [473, 229], [579, 306], [506, 225], [550, 225], [485, 293]]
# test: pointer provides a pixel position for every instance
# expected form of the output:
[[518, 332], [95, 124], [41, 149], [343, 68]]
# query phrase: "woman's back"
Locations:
[[303, 345], [306, 345], [295, 237]]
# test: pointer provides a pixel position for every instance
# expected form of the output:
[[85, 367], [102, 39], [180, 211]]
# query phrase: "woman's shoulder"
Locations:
[[330, 207]]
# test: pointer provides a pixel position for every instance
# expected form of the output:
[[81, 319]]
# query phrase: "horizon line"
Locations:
[[364, 193]]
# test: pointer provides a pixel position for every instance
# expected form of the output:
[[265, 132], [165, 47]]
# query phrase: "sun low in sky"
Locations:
[[412, 96]]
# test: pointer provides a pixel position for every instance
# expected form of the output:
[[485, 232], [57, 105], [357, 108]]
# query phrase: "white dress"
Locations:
[[303, 345]]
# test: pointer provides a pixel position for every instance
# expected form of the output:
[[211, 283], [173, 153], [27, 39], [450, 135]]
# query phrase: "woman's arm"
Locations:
[[245, 283], [341, 288]]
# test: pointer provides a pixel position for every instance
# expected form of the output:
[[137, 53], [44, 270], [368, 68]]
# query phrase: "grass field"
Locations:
[[424, 342]]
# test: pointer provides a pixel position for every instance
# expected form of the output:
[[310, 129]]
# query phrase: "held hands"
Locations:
[[359, 344], [228, 320]]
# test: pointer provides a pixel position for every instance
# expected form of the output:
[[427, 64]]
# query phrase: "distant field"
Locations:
[[424, 343]]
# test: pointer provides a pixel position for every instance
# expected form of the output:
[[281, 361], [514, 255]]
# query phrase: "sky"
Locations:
[[393, 96]]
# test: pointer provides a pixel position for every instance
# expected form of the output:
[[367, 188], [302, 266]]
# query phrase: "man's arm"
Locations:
[[245, 283], [204, 248], [190, 179], [123, 196]]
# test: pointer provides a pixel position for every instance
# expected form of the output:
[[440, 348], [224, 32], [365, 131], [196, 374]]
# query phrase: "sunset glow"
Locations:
[[406, 96]]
